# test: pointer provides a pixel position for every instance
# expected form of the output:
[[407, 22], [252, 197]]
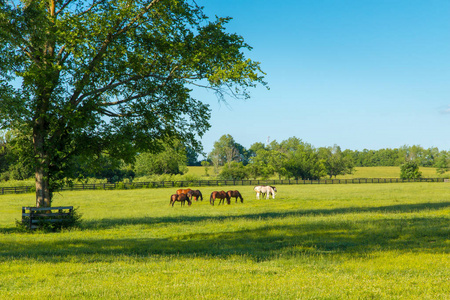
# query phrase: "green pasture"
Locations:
[[359, 172], [199, 173], [389, 172], [354, 241]]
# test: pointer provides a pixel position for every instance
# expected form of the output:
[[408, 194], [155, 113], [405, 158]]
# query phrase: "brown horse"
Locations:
[[236, 195], [219, 195], [196, 194], [181, 191], [180, 198]]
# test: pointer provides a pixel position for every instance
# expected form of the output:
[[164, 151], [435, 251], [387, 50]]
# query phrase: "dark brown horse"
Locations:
[[236, 195], [219, 195], [196, 194], [181, 191], [180, 198]]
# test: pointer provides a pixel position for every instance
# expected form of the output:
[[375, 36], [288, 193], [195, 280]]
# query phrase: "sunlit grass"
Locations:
[[380, 241], [359, 172], [389, 172]]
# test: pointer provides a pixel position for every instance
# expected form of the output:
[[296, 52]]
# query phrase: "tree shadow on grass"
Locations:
[[268, 241], [401, 208]]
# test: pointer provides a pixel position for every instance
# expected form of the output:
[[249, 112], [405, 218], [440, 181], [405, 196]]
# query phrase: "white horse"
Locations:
[[265, 189]]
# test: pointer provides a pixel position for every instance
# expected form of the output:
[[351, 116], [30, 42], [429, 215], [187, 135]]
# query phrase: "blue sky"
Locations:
[[362, 74]]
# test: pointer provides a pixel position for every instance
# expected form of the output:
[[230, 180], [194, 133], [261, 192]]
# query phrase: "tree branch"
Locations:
[[112, 86], [63, 7], [111, 36]]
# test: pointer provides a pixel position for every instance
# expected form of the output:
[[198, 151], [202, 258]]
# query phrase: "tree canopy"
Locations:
[[226, 150], [88, 77], [335, 161], [172, 160]]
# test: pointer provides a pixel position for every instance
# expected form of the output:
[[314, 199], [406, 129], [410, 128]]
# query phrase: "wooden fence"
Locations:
[[36, 217], [200, 183]]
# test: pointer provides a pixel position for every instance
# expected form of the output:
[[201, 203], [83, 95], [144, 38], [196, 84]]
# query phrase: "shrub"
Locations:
[[233, 171], [410, 170]]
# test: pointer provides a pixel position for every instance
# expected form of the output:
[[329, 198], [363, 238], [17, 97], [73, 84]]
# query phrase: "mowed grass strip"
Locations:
[[313, 241]]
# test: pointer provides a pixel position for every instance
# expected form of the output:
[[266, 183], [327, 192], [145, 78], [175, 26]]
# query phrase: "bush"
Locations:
[[233, 171], [410, 170]]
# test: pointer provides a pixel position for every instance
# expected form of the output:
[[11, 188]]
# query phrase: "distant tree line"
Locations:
[[288, 159], [294, 158]]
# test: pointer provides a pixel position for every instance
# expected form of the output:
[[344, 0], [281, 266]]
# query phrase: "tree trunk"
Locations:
[[43, 193]]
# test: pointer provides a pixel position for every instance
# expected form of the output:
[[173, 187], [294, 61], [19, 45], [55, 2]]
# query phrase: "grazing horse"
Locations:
[[196, 194], [267, 190], [273, 194], [219, 195], [235, 194], [181, 191], [180, 198]]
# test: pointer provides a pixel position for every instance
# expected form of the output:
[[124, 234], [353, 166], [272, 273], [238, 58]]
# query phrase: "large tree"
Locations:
[[226, 150], [335, 161], [82, 77], [172, 160], [302, 160]]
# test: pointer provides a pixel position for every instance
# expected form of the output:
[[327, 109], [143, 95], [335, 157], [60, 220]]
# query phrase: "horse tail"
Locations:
[[172, 199], [201, 196]]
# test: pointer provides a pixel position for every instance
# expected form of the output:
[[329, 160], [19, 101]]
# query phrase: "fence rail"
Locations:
[[36, 217], [200, 183]]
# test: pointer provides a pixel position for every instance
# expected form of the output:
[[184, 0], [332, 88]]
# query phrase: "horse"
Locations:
[[235, 194], [196, 194], [219, 195], [267, 190], [181, 191], [180, 198], [264, 194]]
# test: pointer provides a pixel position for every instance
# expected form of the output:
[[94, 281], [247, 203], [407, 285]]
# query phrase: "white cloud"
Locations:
[[446, 110]]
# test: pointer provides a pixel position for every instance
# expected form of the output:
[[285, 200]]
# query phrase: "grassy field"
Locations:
[[360, 172], [388, 172], [368, 241], [199, 174]]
